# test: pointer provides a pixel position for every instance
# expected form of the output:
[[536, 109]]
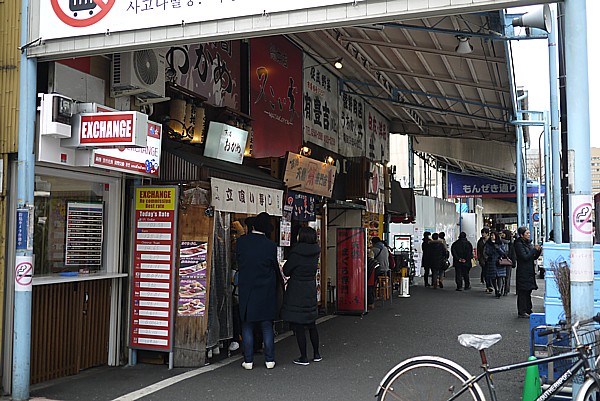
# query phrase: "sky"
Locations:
[[531, 71]]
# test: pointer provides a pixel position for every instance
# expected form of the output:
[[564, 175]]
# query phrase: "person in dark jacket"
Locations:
[[485, 234], [381, 254], [257, 263], [462, 253], [494, 249], [526, 253], [507, 238], [426, 257], [300, 299], [439, 256]]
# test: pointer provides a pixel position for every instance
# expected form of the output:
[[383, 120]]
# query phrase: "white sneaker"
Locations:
[[234, 346], [247, 365], [270, 365]]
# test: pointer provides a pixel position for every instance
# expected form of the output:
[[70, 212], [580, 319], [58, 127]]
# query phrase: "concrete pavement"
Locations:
[[357, 352]]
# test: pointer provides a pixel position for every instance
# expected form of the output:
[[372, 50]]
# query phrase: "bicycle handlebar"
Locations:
[[562, 326], [547, 332]]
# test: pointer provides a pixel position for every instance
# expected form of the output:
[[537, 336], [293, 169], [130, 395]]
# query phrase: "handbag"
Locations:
[[504, 261]]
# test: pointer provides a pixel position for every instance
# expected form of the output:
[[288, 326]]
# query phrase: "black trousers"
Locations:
[[301, 337], [524, 301], [462, 275]]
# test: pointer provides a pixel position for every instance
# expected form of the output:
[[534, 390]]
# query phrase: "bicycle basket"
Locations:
[[563, 342]]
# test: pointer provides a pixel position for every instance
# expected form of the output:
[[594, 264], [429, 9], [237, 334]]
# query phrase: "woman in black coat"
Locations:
[[526, 253], [257, 262], [300, 299], [494, 249]]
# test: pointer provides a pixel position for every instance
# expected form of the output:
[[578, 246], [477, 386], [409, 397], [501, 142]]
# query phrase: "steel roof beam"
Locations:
[[423, 50]]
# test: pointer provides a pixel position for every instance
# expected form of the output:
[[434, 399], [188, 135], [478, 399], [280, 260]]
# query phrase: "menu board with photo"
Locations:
[[192, 278], [85, 226], [373, 222], [285, 228]]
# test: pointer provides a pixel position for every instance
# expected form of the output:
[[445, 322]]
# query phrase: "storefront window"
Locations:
[[70, 225]]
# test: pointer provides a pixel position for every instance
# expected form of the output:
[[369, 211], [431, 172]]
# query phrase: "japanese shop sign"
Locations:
[[153, 269], [236, 197], [75, 18], [140, 161], [377, 144], [275, 96], [302, 206], [225, 142], [351, 270], [466, 186], [352, 126], [320, 109], [309, 175], [108, 130], [211, 70]]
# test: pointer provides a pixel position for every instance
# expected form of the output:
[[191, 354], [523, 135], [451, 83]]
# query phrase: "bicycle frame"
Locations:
[[582, 361]]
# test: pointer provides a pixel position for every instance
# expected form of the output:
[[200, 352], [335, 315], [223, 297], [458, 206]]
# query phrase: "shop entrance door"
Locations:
[[69, 328]]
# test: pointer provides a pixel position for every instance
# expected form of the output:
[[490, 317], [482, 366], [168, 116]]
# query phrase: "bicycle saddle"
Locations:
[[479, 341]]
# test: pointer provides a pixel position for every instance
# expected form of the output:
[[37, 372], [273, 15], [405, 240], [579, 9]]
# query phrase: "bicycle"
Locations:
[[432, 378]]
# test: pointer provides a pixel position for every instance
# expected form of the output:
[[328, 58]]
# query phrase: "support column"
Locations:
[[555, 133], [519, 176], [580, 184], [24, 248], [547, 180]]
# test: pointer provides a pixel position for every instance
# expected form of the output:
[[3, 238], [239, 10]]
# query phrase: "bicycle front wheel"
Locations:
[[589, 391], [427, 378]]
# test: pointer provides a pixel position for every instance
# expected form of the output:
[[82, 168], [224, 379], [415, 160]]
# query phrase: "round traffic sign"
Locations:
[[536, 217]]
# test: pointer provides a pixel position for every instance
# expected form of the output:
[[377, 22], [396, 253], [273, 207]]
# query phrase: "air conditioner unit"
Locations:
[[140, 73]]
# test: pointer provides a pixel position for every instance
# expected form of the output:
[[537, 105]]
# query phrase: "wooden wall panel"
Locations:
[[189, 348], [67, 333]]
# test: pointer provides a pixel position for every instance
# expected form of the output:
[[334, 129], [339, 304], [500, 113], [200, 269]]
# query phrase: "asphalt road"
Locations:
[[357, 352]]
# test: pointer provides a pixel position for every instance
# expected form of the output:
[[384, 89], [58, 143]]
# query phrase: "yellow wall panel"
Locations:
[[9, 74]]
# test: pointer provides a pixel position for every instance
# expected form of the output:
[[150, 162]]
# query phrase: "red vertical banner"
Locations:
[[275, 96], [153, 269], [351, 270]]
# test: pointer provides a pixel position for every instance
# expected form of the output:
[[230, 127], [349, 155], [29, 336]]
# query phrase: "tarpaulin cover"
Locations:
[[403, 208]]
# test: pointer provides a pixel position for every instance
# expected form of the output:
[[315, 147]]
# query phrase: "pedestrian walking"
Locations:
[[494, 249], [507, 238], [485, 234], [526, 254], [462, 253], [426, 257], [257, 262], [439, 259], [300, 299]]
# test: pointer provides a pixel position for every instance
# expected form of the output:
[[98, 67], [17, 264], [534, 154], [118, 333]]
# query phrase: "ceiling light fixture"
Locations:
[[338, 63], [464, 46]]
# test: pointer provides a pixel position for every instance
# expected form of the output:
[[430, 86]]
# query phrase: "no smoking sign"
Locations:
[[581, 218], [23, 273]]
